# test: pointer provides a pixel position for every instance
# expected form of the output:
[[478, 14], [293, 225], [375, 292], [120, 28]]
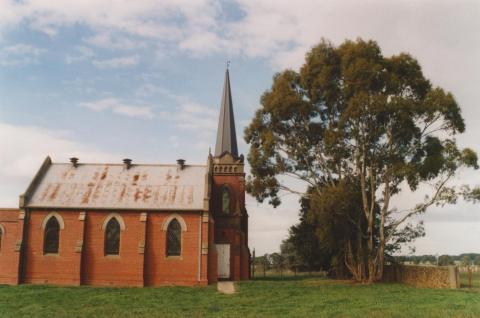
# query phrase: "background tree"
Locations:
[[289, 254], [304, 241], [477, 260], [466, 260], [445, 260], [352, 113]]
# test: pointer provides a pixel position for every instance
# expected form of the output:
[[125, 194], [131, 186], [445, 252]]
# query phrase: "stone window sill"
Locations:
[[51, 254], [177, 257], [112, 256]]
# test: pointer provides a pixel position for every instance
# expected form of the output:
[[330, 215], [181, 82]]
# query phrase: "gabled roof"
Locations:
[[226, 136], [113, 186]]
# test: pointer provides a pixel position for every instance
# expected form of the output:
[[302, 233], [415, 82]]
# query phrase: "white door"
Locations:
[[223, 252]]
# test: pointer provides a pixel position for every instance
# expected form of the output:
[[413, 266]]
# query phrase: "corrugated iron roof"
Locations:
[[105, 186]]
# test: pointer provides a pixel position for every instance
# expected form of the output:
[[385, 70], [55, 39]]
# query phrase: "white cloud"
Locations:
[[170, 21], [114, 42], [82, 53], [25, 147], [187, 114], [118, 107], [191, 115], [148, 89], [19, 54], [117, 62]]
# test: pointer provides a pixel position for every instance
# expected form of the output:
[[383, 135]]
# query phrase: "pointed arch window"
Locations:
[[51, 236], [2, 233], [225, 193], [174, 238], [112, 237]]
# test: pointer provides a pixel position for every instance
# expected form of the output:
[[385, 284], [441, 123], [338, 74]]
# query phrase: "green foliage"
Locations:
[[477, 260], [445, 260], [432, 259], [304, 245], [466, 261], [352, 113]]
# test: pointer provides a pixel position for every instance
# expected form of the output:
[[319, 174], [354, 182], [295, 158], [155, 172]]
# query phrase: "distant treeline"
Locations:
[[462, 259], [287, 261]]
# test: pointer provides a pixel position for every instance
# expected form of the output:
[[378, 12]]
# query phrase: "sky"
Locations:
[[105, 80]]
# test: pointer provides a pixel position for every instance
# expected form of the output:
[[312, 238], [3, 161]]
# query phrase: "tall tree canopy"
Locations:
[[352, 113]]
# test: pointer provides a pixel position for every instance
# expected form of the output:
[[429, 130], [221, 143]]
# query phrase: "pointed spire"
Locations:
[[226, 137]]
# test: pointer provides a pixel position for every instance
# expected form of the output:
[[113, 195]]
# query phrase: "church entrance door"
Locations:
[[223, 252]]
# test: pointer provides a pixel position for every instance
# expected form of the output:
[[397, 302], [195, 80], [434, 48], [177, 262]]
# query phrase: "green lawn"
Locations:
[[291, 297]]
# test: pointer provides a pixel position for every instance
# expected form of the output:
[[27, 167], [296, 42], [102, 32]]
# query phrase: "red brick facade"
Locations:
[[108, 224], [231, 228], [11, 227], [142, 258]]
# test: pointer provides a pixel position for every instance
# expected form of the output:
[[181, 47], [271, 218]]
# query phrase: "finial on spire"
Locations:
[[228, 64]]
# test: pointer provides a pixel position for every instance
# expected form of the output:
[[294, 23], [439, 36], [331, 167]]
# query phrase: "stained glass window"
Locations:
[[174, 238], [52, 236], [112, 237], [225, 200]]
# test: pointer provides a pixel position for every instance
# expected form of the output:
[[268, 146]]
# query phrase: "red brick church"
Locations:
[[129, 224]]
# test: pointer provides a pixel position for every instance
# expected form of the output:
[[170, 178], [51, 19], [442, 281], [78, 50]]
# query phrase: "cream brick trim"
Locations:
[[169, 219], [118, 217], [79, 246], [53, 215]]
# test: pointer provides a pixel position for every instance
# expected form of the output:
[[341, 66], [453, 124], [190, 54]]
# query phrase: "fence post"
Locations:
[[253, 264], [264, 267], [454, 277], [469, 276]]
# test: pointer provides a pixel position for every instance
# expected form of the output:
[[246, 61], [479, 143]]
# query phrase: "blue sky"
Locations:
[[104, 80]]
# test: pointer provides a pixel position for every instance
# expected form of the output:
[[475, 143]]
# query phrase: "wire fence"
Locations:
[[470, 276], [268, 267], [277, 266]]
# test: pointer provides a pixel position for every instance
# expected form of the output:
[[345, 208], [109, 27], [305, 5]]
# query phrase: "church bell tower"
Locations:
[[228, 196]]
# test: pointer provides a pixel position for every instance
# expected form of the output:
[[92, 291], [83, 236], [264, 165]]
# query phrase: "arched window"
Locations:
[[1, 236], [174, 238], [225, 200], [52, 236], [112, 237]]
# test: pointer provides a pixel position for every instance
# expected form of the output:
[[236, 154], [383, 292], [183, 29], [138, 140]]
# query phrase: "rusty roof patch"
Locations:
[[112, 186]]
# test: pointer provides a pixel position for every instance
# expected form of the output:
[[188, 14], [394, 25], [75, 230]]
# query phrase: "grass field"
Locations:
[[287, 297]]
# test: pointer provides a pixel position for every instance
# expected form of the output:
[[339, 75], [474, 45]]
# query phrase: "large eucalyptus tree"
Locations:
[[353, 113]]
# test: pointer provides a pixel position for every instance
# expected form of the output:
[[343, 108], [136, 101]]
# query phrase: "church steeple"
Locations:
[[226, 136]]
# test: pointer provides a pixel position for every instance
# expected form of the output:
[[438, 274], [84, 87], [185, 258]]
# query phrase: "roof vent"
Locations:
[[127, 163], [181, 163], [74, 161]]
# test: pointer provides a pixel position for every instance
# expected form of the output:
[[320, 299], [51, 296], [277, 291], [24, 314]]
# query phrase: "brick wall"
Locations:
[[236, 185], [232, 229], [125, 269], [9, 247], [59, 269], [172, 270], [423, 276], [212, 255], [81, 259]]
